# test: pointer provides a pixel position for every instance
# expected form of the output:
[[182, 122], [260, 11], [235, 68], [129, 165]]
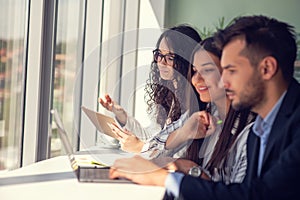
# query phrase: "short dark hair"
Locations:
[[264, 36]]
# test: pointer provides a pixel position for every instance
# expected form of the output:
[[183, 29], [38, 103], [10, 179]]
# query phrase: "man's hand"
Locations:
[[181, 165], [139, 170], [184, 166]]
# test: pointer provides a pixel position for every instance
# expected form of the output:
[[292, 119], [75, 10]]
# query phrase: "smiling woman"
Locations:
[[206, 76], [219, 150]]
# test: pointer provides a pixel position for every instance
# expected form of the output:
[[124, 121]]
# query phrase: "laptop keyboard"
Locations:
[[93, 174]]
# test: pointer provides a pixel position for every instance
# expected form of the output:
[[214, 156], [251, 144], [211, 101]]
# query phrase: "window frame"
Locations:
[[39, 77]]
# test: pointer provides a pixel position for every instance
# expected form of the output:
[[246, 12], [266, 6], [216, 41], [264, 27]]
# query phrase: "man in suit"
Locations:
[[258, 64]]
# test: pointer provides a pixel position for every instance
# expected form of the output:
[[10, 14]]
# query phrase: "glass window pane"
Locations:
[[68, 59], [13, 28]]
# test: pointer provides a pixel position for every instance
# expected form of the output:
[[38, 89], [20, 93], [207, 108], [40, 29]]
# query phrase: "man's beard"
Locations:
[[252, 96]]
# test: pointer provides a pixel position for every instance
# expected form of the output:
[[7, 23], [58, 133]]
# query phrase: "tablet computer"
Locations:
[[102, 122]]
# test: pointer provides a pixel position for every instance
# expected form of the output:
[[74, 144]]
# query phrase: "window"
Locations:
[[13, 27], [68, 46], [68, 59], [101, 48]]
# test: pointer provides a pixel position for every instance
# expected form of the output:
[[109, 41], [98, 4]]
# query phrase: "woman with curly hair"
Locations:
[[166, 89]]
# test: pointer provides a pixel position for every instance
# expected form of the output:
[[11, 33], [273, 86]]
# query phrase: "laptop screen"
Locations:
[[63, 135], [84, 173]]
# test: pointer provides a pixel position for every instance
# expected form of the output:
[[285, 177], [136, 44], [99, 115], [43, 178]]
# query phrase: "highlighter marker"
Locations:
[[219, 121]]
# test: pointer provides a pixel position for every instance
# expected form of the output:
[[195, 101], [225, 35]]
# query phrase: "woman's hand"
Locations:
[[138, 170], [201, 124], [129, 142], [112, 106], [210, 123]]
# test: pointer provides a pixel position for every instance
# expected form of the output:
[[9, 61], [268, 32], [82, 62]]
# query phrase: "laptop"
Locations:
[[85, 172]]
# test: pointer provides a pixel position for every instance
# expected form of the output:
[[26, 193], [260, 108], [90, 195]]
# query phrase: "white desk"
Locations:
[[54, 179]]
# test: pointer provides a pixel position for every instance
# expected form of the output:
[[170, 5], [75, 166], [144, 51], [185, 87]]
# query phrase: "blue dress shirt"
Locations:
[[172, 183], [262, 128]]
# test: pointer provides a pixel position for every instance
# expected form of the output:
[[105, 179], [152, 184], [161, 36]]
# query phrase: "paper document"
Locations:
[[108, 159]]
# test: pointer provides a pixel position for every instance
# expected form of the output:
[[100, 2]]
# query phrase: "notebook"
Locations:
[[85, 172]]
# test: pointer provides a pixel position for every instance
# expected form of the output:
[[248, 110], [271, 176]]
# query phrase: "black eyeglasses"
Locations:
[[169, 57]]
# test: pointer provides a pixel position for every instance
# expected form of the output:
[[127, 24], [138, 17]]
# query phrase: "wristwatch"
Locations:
[[195, 171]]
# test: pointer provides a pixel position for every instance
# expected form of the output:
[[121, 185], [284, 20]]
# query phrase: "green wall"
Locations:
[[206, 13]]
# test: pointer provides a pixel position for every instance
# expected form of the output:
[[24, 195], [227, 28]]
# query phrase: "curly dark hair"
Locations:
[[161, 95]]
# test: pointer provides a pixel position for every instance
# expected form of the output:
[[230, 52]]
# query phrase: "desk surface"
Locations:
[[54, 179]]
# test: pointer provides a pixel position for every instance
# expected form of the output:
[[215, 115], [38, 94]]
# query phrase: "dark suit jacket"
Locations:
[[280, 174]]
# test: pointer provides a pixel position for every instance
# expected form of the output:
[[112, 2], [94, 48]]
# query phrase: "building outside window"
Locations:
[[13, 32], [68, 58]]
